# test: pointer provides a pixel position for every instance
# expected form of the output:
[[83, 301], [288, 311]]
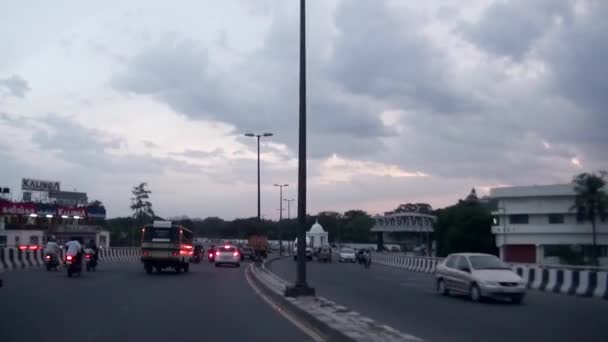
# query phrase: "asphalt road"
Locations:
[[407, 301], [121, 303]]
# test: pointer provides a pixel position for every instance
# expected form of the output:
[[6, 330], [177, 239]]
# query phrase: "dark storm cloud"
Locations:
[[259, 94], [383, 53], [14, 85], [510, 28]]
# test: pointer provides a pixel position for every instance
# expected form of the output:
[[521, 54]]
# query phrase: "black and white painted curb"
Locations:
[[583, 283], [334, 321], [15, 258]]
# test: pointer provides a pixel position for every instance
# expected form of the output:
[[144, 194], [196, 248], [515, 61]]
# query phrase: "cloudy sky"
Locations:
[[408, 101]]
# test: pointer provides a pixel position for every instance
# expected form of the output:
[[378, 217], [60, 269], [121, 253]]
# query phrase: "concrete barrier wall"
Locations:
[[13, 258], [585, 283]]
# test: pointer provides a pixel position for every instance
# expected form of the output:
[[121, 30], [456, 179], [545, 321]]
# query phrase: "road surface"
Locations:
[[121, 303], [407, 301]]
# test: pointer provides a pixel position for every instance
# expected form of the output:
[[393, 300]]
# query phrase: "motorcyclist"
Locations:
[[93, 246], [52, 248], [367, 257], [74, 249]]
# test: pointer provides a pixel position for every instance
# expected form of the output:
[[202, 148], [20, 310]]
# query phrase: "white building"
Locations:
[[318, 237], [532, 220]]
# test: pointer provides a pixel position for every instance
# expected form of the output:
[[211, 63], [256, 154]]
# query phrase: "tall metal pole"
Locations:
[[259, 205], [281, 217], [301, 287]]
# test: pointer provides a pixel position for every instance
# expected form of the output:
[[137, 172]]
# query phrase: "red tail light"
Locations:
[[88, 256], [210, 255], [22, 247], [33, 248], [68, 258], [146, 253], [217, 253], [48, 257], [236, 254]]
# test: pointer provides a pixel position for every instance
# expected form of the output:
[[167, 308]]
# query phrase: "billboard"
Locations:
[[39, 185]]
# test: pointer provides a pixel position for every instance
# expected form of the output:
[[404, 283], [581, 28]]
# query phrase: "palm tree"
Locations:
[[591, 202]]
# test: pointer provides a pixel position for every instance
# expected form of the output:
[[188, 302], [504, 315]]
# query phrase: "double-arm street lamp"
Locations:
[[281, 216], [258, 136]]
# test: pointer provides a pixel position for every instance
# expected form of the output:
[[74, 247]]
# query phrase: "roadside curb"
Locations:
[[332, 321]]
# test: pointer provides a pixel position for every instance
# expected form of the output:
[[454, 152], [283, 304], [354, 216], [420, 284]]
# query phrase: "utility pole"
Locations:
[[289, 217], [301, 287], [281, 216], [258, 136]]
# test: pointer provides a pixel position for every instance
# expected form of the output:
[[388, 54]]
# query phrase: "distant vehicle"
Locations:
[[309, 251], [324, 254], [247, 252], [90, 258], [346, 254], [51, 262], [359, 255], [73, 265], [164, 244], [211, 254], [227, 255], [197, 254], [259, 243], [479, 276]]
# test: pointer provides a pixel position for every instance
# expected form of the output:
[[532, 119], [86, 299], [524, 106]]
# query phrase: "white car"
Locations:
[[347, 255], [227, 255], [479, 276]]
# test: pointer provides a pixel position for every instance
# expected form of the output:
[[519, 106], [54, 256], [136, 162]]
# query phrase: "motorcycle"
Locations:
[[73, 265], [90, 259], [211, 255], [367, 260], [51, 262]]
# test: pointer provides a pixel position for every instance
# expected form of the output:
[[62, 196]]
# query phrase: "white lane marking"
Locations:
[[312, 334]]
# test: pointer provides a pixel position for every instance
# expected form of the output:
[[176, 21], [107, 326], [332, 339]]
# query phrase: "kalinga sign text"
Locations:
[[39, 185]]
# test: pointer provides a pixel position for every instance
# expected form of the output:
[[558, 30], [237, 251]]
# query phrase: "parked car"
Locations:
[[346, 254], [479, 276], [324, 254]]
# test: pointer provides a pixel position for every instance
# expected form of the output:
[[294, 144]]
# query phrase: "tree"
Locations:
[[140, 204], [464, 227], [591, 202]]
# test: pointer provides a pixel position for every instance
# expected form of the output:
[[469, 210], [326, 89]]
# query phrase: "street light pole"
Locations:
[[281, 216], [258, 136], [301, 287]]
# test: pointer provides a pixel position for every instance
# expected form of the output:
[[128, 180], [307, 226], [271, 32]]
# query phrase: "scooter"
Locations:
[[51, 262], [90, 260], [73, 265]]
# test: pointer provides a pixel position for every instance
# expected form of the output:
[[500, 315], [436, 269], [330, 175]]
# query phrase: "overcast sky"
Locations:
[[408, 101]]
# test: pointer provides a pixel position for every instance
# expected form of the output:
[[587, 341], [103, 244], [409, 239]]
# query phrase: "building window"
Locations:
[[556, 218], [518, 219], [496, 220]]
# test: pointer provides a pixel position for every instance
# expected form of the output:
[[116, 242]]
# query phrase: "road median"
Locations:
[[329, 320]]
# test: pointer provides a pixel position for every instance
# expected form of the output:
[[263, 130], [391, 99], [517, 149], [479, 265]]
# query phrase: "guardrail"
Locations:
[[13, 258], [549, 278]]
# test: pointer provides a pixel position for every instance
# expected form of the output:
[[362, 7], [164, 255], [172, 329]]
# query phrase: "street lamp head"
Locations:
[[267, 134], [285, 184], [249, 135]]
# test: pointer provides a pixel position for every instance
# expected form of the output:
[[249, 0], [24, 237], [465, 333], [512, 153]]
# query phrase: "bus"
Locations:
[[166, 245]]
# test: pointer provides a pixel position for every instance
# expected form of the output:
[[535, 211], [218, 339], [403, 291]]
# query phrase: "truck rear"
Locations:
[[259, 243]]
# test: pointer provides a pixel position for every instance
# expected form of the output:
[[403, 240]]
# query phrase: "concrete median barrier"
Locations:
[[329, 320], [14, 259]]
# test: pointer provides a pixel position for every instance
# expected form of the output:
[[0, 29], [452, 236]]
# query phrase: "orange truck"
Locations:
[[259, 243]]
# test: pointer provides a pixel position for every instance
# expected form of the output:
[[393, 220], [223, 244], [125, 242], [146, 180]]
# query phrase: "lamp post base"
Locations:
[[299, 291]]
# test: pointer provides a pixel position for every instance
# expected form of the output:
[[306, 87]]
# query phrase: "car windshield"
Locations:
[[347, 250], [487, 262]]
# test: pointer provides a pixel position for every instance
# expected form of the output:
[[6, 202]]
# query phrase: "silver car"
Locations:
[[227, 255], [479, 276]]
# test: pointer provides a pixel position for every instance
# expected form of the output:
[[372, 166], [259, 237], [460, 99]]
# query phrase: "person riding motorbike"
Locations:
[[93, 246], [366, 256], [51, 251], [74, 249]]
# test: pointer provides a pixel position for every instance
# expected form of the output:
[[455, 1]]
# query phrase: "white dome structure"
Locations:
[[318, 236]]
